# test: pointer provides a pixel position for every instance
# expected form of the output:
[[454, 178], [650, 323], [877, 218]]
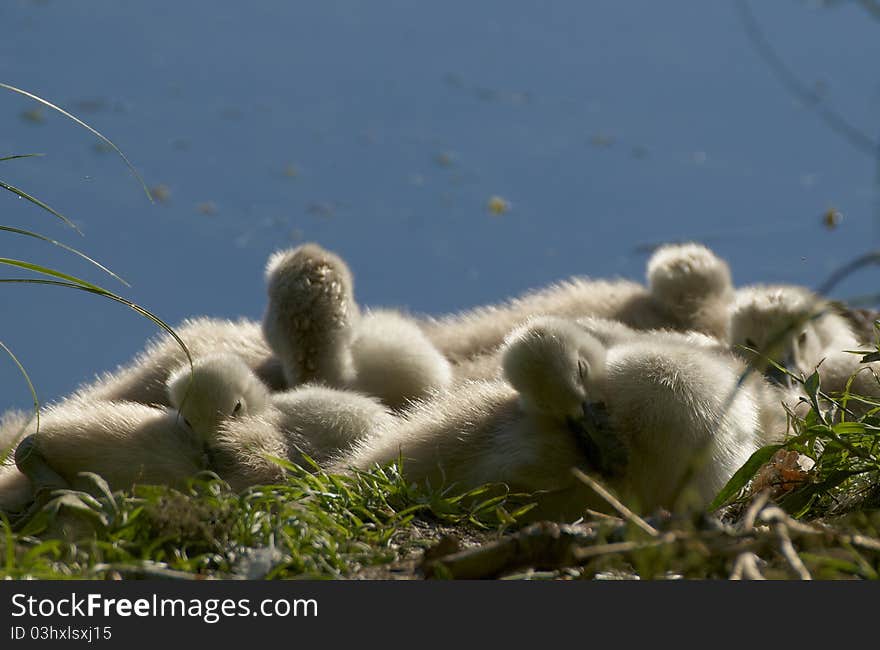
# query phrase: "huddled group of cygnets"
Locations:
[[642, 386]]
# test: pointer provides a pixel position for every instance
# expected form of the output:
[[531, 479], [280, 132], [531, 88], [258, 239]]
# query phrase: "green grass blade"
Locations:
[[85, 126], [9, 543], [37, 201], [21, 155], [70, 249], [4, 452], [36, 268], [75, 283], [743, 475]]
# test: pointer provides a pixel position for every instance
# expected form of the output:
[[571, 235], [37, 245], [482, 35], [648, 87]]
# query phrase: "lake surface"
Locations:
[[382, 130]]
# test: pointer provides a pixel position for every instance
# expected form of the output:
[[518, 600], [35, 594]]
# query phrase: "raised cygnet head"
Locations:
[[285, 269], [789, 324], [309, 314], [555, 365], [683, 270], [220, 386], [694, 284]]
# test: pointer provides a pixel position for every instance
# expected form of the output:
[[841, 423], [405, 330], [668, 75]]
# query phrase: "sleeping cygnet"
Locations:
[[244, 427], [124, 442], [801, 331], [655, 416]]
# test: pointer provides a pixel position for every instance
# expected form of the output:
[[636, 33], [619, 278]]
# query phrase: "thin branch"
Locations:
[[78, 121], [868, 259], [748, 521], [613, 548], [746, 567], [797, 87], [789, 553], [615, 503], [872, 7]]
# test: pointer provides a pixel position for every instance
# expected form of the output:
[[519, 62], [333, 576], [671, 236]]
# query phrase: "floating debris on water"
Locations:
[[831, 218], [321, 209], [487, 94], [91, 105], [161, 192], [207, 208], [498, 205], [445, 159], [290, 171], [35, 115], [602, 140]]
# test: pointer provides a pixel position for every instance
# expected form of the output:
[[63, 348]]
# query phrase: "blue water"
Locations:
[[382, 129]]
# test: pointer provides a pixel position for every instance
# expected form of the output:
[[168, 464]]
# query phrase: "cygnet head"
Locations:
[[682, 272], [555, 365], [789, 324], [220, 386], [287, 268], [309, 314]]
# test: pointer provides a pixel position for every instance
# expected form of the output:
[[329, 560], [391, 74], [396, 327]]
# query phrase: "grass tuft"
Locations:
[[313, 525]]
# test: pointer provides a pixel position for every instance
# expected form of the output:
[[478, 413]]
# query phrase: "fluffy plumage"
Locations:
[[666, 394], [802, 331], [394, 361], [144, 379], [125, 442], [672, 407], [15, 487], [315, 421], [313, 324], [243, 426], [310, 315], [218, 386], [689, 288], [312, 330]]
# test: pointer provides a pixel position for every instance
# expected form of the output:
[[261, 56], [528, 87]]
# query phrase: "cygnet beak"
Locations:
[[778, 376], [602, 448]]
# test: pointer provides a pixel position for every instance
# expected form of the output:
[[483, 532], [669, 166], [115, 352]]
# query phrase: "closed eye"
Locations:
[[583, 369]]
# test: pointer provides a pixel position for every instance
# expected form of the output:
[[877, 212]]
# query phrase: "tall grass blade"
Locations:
[[21, 155], [743, 475], [85, 126], [30, 387], [9, 543], [36, 268], [74, 283], [37, 201], [28, 233]]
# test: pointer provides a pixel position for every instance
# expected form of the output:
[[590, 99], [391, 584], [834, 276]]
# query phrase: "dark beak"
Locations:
[[780, 377], [603, 450]]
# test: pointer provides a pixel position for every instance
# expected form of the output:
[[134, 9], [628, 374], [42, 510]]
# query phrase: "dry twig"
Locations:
[[614, 502]]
